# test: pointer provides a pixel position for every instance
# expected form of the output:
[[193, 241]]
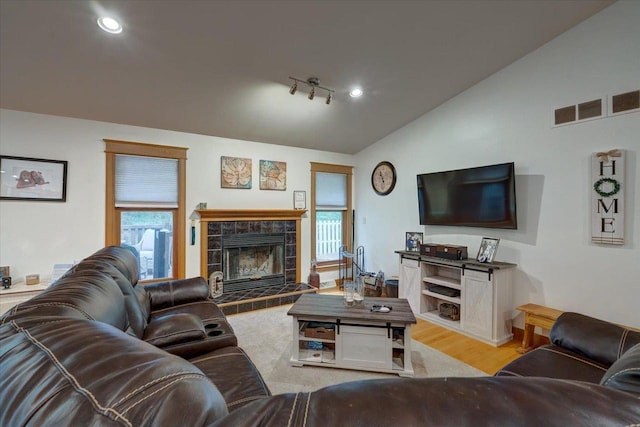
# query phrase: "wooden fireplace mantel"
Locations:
[[209, 215]]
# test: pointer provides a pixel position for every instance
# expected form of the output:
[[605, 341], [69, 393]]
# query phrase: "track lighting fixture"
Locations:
[[314, 84]]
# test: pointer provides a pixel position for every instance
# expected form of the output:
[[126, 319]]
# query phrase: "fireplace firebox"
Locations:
[[251, 261]]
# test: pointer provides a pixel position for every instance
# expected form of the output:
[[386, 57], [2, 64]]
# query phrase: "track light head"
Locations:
[[312, 94], [294, 88]]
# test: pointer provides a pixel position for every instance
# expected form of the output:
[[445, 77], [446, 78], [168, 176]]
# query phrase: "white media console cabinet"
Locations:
[[463, 295]]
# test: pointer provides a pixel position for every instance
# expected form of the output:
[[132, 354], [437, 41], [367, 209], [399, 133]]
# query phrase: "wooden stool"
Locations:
[[535, 315]]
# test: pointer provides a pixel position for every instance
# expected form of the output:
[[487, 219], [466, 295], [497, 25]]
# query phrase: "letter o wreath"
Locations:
[[598, 184]]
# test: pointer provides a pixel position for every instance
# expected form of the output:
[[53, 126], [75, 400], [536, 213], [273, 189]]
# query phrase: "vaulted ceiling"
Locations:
[[222, 68]]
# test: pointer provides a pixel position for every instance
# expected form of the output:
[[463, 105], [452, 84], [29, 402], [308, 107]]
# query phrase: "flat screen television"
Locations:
[[484, 196]]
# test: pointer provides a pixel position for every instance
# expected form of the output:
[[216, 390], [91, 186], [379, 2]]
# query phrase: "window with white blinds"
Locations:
[[146, 181], [331, 191]]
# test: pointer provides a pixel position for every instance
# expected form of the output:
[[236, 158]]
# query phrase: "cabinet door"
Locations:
[[477, 310], [409, 282], [363, 347]]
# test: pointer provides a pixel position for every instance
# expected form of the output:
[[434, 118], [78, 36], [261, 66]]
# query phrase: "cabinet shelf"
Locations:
[[443, 281], [301, 337], [455, 300], [318, 356], [435, 317]]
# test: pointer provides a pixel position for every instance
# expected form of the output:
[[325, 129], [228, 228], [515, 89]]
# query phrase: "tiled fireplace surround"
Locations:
[[217, 223]]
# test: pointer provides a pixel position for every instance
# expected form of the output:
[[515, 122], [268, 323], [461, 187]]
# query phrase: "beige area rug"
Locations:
[[266, 336]]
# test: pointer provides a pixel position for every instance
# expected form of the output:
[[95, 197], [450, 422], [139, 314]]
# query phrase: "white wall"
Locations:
[[36, 235], [508, 117]]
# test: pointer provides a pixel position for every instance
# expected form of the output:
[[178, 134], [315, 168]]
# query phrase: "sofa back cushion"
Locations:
[[136, 315], [596, 339], [82, 372], [89, 295], [624, 374], [121, 258]]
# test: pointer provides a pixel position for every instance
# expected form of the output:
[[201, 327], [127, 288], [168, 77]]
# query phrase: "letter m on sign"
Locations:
[[607, 197]]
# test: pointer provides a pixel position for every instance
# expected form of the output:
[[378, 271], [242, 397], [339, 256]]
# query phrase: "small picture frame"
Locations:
[[299, 200], [487, 250], [25, 178], [413, 240]]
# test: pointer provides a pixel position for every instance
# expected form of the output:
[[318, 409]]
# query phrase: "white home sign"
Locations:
[[607, 197]]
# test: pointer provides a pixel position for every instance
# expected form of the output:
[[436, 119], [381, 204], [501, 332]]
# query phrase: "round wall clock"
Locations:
[[383, 178]]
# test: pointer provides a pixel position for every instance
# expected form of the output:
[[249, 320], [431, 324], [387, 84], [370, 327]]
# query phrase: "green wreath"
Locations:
[[598, 183]]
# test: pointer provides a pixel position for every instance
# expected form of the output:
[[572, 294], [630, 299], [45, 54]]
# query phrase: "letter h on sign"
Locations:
[[607, 197]]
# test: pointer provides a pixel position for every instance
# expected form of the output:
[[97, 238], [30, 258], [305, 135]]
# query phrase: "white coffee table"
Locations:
[[362, 339]]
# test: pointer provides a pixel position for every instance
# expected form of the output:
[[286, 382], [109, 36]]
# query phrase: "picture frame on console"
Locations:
[[25, 178], [487, 249], [413, 240]]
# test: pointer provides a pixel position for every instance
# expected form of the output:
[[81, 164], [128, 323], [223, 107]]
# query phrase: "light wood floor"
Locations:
[[482, 356]]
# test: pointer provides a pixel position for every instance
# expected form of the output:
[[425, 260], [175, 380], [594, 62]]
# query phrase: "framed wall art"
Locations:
[[413, 241], [235, 172], [273, 175], [24, 178], [487, 250]]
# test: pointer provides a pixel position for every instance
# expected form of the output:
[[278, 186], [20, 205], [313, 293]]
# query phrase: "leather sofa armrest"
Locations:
[[624, 374], [177, 292], [596, 339], [174, 329], [219, 334]]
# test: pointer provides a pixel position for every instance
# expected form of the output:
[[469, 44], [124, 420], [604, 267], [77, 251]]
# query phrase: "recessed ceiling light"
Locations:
[[110, 25], [355, 92]]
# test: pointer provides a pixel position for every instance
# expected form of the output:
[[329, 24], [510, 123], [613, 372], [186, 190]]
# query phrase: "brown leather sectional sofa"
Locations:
[[95, 349]]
